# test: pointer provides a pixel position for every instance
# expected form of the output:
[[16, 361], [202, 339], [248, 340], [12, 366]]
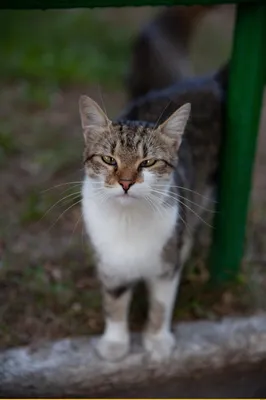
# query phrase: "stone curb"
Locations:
[[70, 367]]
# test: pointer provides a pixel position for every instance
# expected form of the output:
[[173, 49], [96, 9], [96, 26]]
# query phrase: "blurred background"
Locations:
[[47, 283]]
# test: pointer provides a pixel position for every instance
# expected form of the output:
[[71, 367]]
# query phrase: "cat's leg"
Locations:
[[158, 338], [115, 342]]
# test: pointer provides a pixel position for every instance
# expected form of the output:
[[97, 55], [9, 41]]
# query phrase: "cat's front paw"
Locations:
[[111, 350], [160, 345]]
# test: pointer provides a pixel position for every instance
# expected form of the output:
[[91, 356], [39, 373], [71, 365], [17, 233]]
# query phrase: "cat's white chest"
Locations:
[[129, 242]]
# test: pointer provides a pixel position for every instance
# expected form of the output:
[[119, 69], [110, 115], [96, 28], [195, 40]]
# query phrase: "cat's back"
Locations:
[[206, 95]]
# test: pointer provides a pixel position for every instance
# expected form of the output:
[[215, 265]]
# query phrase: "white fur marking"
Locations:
[[116, 331], [160, 345], [114, 344], [128, 237]]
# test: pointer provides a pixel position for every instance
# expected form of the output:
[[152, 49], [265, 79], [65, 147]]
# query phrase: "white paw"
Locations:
[[159, 346], [112, 350]]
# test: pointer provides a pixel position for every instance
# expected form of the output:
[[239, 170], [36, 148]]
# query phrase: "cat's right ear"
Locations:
[[92, 115], [175, 125]]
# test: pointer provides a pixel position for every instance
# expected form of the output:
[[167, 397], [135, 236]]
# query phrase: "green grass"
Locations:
[[63, 47], [7, 144]]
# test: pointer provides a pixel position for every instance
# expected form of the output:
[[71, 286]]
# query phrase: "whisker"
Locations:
[[196, 204], [155, 206], [149, 203], [187, 227], [61, 184], [196, 214], [70, 188], [61, 215], [161, 114], [189, 190], [76, 224], [177, 196], [101, 96], [62, 199], [190, 209]]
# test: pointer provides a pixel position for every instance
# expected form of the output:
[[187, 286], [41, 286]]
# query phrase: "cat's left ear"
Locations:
[[175, 125], [91, 114]]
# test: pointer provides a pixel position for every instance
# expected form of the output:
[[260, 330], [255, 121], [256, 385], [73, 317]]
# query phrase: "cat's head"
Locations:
[[130, 161]]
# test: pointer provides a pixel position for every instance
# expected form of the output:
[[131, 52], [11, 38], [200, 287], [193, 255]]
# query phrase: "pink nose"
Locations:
[[126, 183]]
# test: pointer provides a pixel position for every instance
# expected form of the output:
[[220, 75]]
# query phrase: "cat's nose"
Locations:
[[126, 183]]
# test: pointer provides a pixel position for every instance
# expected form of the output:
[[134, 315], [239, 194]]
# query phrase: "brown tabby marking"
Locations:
[[116, 307]]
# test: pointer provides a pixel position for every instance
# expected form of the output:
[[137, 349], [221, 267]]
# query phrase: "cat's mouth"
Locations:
[[125, 196]]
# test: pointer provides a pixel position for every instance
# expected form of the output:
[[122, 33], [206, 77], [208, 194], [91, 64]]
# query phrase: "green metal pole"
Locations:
[[247, 75]]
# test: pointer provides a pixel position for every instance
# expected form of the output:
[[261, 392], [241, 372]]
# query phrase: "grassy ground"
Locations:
[[47, 283]]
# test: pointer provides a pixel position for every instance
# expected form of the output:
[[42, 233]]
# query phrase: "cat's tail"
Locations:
[[222, 76], [161, 51]]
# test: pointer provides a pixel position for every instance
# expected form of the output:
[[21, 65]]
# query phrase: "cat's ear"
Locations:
[[175, 125], [91, 114]]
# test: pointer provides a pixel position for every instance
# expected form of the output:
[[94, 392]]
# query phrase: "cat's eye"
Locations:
[[109, 160], [148, 163]]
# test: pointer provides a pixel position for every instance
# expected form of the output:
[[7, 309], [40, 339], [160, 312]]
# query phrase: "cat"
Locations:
[[142, 176], [160, 51]]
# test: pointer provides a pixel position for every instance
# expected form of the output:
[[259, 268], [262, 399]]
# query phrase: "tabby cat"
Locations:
[[142, 176]]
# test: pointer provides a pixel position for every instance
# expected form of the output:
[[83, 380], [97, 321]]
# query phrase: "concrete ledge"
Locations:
[[70, 367]]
